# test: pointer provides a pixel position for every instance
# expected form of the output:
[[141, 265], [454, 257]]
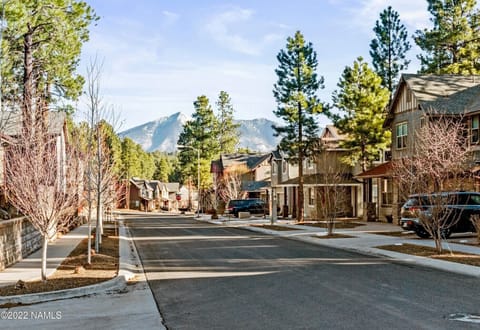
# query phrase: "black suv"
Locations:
[[252, 205], [460, 205]]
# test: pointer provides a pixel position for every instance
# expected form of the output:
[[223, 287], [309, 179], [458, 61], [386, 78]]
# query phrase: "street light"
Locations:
[[181, 146]]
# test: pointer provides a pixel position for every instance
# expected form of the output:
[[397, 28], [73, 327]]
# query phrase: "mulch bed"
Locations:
[[406, 234], [338, 225], [425, 251], [74, 271], [333, 236], [274, 227]]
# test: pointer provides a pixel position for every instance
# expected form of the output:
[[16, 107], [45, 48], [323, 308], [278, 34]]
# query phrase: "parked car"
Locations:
[[459, 207], [252, 205]]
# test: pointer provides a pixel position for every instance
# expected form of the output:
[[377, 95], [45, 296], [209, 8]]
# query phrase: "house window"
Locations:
[[309, 163], [474, 130], [401, 130], [311, 196], [387, 192], [274, 168], [284, 166]]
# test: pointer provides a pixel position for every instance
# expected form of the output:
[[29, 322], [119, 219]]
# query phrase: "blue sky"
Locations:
[[160, 55]]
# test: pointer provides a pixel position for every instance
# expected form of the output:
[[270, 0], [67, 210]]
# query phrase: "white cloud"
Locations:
[[413, 13], [170, 17], [220, 29]]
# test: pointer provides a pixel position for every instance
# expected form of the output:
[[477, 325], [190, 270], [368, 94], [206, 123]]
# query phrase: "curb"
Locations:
[[117, 283], [452, 267]]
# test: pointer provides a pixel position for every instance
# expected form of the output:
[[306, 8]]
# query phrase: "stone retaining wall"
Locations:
[[18, 239]]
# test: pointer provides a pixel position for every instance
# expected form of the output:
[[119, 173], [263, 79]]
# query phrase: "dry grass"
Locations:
[[74, 271], [425, 251]]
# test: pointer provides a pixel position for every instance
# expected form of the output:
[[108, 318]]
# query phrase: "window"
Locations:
[[474, 130], [309, 163], [401, 130], [274, 167], [284, 166], [311, 196], [387, 192]]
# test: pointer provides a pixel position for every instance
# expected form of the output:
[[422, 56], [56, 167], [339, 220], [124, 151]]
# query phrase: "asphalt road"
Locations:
[[210, 277]]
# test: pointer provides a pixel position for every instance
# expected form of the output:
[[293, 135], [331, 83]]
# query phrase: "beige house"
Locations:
[[10, 128], [322, 172], [417, 99]]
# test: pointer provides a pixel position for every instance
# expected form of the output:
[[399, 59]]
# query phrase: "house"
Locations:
[[419, 98], [11, 124], [323, 173], [141, 195], [171, 190], [248, 176]]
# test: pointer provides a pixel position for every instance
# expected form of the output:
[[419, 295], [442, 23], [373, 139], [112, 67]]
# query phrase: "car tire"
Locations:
[[422, 233]]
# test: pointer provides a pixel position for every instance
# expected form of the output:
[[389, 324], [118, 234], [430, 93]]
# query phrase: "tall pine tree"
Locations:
[[361, 100], [200, 133], [389, 48], [452, 46], [297, 103], [228, 134]]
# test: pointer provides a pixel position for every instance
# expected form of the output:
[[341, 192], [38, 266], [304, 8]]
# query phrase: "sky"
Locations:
[[159, 56]]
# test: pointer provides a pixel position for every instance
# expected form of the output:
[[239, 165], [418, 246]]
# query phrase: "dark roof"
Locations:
[[444, 94], [253, 186], [319, 179], [11, 122], [251, 161]]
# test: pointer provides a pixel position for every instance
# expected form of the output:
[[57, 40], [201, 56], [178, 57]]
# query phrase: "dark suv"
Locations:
[[252, 205], [459, 206]]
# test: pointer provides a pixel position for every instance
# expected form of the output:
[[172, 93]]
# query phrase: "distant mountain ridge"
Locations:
[[162, 134]]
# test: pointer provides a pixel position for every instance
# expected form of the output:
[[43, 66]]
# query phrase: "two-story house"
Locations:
[[253, 171], [10, 129], [322, 172], [419, 98]]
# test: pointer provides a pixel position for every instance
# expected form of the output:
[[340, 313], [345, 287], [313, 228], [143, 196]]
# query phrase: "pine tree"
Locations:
[[228, 134], [297, 103], [200, 134], [361, 101], [452, 46], [389, 48]]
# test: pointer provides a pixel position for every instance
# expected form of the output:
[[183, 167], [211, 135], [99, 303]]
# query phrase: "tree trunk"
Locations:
[[44, 258], [27, 109], [300, 209]]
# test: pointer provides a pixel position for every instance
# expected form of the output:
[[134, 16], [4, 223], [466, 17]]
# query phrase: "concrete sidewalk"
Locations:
[[364, 239], [124, 302]]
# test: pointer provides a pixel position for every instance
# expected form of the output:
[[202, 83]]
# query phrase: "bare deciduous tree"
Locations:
[[230, 184], [330, 195], [101, 178], [438, 161], [42, 180]]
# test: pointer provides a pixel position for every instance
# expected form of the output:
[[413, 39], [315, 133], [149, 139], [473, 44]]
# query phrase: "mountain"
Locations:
[[162, 134]]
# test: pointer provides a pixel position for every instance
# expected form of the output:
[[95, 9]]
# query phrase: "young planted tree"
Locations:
[[228, 134], [361, 100], [439, 160], [452, 46], [330, 194], [388, 49], [42, 181], [230, 184], [296, 94]]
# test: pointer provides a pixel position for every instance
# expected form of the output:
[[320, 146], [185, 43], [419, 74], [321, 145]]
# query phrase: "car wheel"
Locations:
[[422, 233]]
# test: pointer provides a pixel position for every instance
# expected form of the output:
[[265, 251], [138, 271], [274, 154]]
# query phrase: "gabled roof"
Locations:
[[173, 187], [251, 161], [331, 133], [11, 122], [442, 94], [381, 171]]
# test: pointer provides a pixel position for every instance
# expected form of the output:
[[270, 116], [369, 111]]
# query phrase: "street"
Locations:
[[211, 277]]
